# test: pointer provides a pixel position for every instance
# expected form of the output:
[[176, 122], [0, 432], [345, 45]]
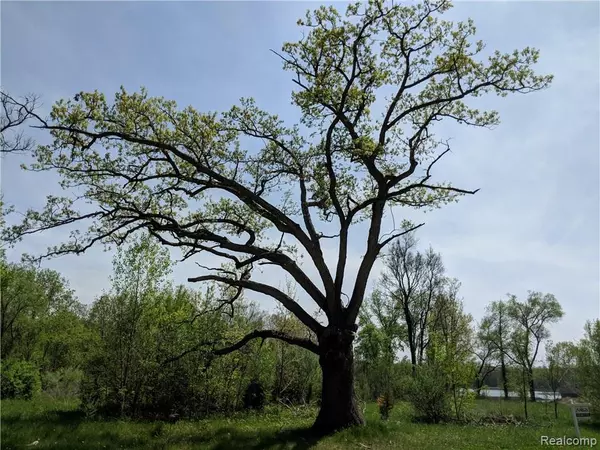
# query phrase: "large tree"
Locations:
[[194, 182]]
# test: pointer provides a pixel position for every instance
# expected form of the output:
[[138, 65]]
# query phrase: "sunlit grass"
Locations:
[[57, 424]]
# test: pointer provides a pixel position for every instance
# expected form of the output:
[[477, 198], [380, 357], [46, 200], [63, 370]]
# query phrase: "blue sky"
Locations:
[[535, 222]]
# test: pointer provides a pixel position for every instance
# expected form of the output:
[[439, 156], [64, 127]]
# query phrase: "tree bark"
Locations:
[[478, 386], [504, 379], [411, 341], [531, 385], [339, 408], [413, 360]]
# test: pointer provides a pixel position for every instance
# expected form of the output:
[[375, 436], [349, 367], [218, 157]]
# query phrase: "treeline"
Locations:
[[148, 349], [568, 386], [416, 309], [145, 348]]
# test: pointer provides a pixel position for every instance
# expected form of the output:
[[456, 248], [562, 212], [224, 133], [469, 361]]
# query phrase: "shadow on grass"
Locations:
[[221, 439], [70, 418], [592, 426], [60, 429], [231, 438]]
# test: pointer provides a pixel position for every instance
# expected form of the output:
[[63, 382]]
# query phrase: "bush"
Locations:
[[20, 379], [385, 403], [62, 383], [588, 365], [428, 394]]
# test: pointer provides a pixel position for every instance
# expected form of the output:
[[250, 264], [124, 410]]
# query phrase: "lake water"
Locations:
[[539, 395]]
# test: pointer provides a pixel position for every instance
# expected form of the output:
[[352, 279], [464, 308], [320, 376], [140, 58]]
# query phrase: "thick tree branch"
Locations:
[[270, 334], [366, 264], [289, 303], [209, 346]]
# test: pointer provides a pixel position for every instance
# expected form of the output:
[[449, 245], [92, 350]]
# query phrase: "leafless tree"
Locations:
[[413, 281]]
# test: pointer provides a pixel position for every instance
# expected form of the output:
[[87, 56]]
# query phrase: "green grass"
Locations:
[[57, 424]]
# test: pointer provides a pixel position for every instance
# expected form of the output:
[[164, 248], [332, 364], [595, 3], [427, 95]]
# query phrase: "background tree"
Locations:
[[187, 177], [381, 336], [124, 322], [371, 359], [588, 364], [518, 382], [41, 321], [413, 281], [486, 353], [386, 313], [296, 370], [499, 329], [21, 303], [560, 362], [153, 358], [451, 348], [531, 319], [44, 337]]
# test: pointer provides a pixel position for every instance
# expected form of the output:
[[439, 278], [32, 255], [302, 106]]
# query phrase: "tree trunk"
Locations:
[[411, 340], [524, 392], [339, 408], [413, 360], [478, 386], [531, 385], [504, 379]]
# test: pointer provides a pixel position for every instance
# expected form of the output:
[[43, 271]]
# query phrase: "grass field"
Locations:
[[57, 424]]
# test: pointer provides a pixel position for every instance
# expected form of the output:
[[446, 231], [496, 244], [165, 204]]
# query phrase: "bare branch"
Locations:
[[14, 113], [398, 234]]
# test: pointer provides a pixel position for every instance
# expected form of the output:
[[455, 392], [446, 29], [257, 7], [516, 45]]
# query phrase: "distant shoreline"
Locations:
[[494, 393]]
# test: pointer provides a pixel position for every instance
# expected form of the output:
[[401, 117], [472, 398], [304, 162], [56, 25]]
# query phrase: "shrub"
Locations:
[[20, 379], [428, 394], [385, 403], [463, 402], [62, 383], [588, 365]]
